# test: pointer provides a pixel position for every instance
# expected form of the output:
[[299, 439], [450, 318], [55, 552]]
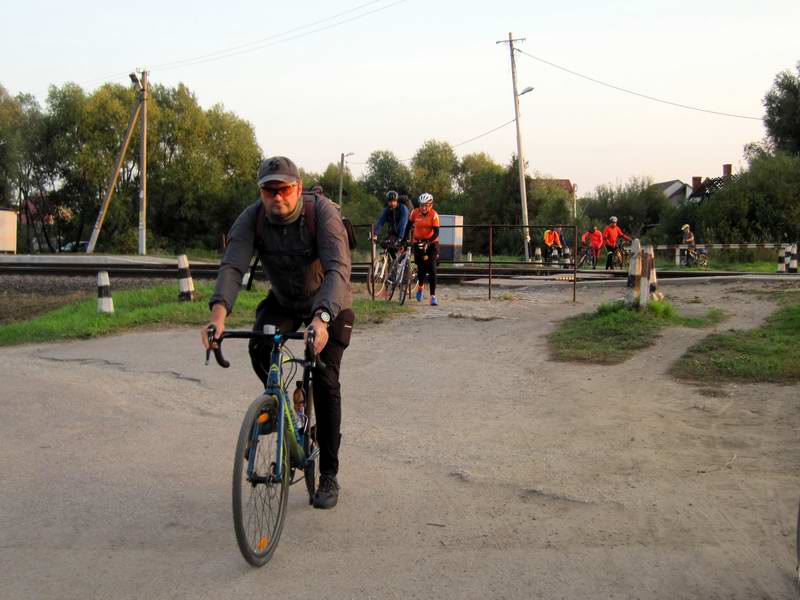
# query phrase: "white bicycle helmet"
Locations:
[[425, 198], [612, 220]]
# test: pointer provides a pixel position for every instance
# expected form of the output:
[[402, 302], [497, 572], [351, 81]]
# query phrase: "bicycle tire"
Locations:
[[702, 260], [309, 445], [258, 540], [392, 281]]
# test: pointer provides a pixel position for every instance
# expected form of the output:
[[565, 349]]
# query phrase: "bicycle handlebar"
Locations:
[[311, 358]]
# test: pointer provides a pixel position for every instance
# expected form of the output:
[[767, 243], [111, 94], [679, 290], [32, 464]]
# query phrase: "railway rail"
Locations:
[[450, 272]]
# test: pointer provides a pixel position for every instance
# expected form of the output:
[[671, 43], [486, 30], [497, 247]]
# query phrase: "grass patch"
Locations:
[[765, 354], [153, 306], [612, 333]]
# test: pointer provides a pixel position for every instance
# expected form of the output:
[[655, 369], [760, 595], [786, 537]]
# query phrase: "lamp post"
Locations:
[[341, 175], [526, 234]]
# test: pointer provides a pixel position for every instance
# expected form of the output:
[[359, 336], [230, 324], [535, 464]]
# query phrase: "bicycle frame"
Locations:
[[286, 415]]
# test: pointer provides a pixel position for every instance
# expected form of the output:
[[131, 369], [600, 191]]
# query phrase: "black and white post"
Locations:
[[105, 304], [185, 282]]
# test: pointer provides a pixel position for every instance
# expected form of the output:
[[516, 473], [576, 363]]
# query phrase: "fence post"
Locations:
[[677, 257], [105, 304], [185, 283], [370, 283], [537, 257], [490, 260], [793, 260], [575, 269], [634, 273]]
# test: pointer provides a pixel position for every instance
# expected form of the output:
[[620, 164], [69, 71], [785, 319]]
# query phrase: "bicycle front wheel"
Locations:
[[376, 279], [310, 446], [259, 498]]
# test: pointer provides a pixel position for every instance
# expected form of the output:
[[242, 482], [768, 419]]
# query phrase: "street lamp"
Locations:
[[341, 175]]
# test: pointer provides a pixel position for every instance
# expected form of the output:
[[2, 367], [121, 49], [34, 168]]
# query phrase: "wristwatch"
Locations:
[[324, 316]]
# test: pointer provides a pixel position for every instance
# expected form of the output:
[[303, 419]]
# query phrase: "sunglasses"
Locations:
[[282, 190]]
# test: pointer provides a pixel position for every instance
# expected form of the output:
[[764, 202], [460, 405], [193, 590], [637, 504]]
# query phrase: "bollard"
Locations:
[[677, 257], [782, 259], [185, 282], [565, 258], [634, 274], [793, 260], [537, 257], [469, 256], [105, 303], [653, 278], [644, 281]]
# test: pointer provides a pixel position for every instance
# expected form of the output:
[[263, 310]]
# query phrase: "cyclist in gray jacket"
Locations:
[[303, 246]]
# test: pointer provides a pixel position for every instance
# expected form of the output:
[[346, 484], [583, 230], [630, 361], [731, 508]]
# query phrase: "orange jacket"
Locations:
[[595, 238], [611, 233]]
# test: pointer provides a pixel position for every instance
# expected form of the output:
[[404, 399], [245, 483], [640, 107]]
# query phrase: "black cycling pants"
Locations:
[[426, 265], [610, 259], [327, 392]]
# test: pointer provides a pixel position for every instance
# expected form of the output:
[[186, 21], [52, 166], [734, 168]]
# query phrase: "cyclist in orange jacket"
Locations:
[[594, 239], [611, 235]]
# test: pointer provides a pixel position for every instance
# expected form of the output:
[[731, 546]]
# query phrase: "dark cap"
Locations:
[[277, 168]]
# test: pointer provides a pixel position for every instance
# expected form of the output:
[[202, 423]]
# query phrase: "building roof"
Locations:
[[564, 184]]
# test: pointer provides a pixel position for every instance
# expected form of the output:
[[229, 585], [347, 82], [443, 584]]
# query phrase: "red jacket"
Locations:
[[595, 238], [611, 233]]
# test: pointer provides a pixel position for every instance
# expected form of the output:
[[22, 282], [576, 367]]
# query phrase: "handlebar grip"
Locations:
[[211, 330]]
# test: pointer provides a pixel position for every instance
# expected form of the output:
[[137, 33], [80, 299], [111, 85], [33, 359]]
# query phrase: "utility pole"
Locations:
[[143, 171], [341, 175], [526, 234], [139, 108]]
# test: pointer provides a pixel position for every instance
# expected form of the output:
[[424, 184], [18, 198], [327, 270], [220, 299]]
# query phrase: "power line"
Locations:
[[627, 91], [221, 55], [258, 44], [472, 139]]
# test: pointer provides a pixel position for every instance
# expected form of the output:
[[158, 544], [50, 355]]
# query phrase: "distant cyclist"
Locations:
[[426, 244], [594, 240], [395, 215], [611, 235], [687, 239]]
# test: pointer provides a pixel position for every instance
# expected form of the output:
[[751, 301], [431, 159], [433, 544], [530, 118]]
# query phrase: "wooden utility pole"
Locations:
[[526, 234], [140, 108], [143, 171]]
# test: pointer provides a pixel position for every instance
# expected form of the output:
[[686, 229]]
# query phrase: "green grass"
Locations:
[[765, 354], [613, 333], [154, 306], [761, 266]]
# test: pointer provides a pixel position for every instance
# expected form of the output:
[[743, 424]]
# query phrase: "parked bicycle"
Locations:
[[274, 443]]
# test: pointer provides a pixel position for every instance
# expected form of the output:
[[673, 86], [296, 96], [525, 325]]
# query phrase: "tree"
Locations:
[[434, 169], [638, 205], [385, 172], [782, 118], [760, 205]]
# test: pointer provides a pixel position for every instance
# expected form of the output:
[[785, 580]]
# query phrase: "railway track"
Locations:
[[453, 273]]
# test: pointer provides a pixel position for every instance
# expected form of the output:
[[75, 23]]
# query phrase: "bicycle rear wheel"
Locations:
[[259, 501]]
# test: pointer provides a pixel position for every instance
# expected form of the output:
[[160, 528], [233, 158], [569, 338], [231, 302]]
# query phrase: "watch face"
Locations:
[[325, 316]]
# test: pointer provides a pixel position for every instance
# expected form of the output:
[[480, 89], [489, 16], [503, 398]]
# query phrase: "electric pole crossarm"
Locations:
[[112, 181]]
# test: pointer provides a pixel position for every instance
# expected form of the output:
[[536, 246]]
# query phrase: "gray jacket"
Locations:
[[304, 276]]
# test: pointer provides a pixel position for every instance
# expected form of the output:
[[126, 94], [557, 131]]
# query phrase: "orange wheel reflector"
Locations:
[[262, 418], [262, 543]]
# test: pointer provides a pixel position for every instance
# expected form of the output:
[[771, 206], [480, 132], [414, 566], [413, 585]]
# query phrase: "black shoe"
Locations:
[[328, 492]]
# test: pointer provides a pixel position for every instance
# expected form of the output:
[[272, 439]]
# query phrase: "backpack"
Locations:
[[310, 217]]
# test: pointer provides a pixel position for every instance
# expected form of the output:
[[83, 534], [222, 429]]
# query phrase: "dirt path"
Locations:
[[472, 467]]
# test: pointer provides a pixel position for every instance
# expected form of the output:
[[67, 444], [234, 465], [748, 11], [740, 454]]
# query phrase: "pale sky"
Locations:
[[414, 70]]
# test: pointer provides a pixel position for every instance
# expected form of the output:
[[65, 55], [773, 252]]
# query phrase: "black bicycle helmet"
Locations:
[[392, 195]]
